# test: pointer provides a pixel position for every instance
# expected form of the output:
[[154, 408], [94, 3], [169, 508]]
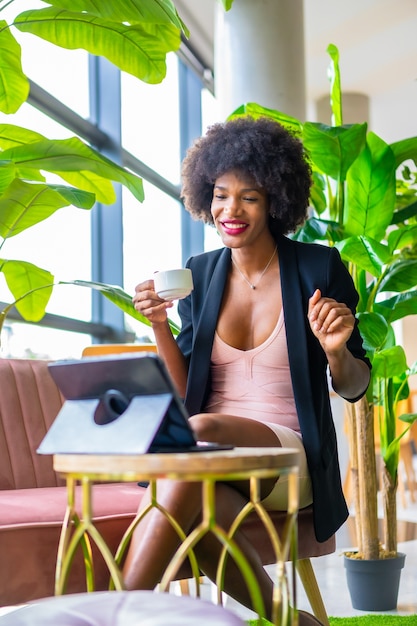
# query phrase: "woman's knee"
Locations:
[[206, 426]]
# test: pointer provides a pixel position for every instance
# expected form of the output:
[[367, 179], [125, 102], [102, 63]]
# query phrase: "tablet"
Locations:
[[119, 404]]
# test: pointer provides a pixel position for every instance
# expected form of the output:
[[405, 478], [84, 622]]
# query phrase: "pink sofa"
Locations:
[[33, 498]]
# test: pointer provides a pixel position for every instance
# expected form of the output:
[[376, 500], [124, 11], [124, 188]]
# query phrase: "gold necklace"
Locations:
[[253, 285]]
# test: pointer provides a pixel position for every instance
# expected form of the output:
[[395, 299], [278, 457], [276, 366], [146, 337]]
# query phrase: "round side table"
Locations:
[[252, 464]]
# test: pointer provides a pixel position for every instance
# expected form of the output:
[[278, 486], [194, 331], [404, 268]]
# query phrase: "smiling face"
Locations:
[[240, 210]]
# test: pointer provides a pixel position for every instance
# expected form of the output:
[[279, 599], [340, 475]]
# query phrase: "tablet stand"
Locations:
[[114, 424]]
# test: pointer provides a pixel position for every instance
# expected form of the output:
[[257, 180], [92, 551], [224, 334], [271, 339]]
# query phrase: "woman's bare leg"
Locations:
[[154, 541], [238, 431]]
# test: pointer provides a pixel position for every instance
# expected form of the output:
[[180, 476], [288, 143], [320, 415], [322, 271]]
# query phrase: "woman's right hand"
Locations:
[[147, 302]]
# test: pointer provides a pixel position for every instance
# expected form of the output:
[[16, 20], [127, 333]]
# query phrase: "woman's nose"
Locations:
[[231, 205]]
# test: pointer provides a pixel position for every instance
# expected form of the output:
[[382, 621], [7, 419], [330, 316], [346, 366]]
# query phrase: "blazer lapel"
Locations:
[[294, 305]]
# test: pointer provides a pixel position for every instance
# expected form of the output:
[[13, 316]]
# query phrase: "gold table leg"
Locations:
[[284, 548], [76, 532]]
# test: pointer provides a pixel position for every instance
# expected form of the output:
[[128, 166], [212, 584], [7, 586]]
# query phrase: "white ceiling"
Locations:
[[377, 42]]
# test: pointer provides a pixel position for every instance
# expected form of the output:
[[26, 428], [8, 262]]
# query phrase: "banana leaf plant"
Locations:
[[135, 36], [364, 202]]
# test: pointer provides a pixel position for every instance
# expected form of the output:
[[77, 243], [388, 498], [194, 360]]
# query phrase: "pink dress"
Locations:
[[257, 384], [254, 383]]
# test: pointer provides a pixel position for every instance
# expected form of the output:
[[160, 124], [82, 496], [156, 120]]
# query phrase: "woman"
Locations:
[[267, 320]]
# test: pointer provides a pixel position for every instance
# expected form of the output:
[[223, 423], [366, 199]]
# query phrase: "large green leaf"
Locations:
[[77, 197], [11, 136], [374, 330], [31, 287], [371, 190], [119, 297], [366, 253], [333, 149], [317, 193], [315, 229], [131, 11], [401, 238], [364, 286], [14, 86], [90, 181], [404, 150], [402, 215], [139, 50], [256, 110], [73, 161], [14, 136], [401, 276], [389, 363], [397, 307], [23, 204], [335, 88], [7, 174]]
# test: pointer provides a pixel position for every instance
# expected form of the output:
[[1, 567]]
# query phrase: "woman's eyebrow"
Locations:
[[245, 190]]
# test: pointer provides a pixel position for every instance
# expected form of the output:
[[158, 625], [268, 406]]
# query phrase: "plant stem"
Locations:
[[353, 456], [340, 202], [367, 479], [389, 503]]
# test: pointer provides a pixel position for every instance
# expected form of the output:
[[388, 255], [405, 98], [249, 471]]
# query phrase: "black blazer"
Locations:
[[303, 268]]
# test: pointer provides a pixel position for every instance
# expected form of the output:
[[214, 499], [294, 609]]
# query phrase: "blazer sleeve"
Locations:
[[343, 290]]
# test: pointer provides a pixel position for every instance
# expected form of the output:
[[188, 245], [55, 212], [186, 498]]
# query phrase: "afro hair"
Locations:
[[261, 148]]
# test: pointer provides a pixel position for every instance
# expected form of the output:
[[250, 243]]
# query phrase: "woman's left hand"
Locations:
[[331, 322]]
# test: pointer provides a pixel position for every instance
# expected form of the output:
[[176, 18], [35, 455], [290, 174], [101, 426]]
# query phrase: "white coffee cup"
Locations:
[[173, 284]]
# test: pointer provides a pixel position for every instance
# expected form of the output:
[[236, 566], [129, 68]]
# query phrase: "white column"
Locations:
[[259, 55]]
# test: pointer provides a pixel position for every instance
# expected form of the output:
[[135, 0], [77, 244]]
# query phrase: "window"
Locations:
[[150, 121], [152, 241]]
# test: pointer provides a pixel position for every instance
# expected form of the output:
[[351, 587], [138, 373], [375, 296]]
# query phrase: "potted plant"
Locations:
[[364, 202]]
